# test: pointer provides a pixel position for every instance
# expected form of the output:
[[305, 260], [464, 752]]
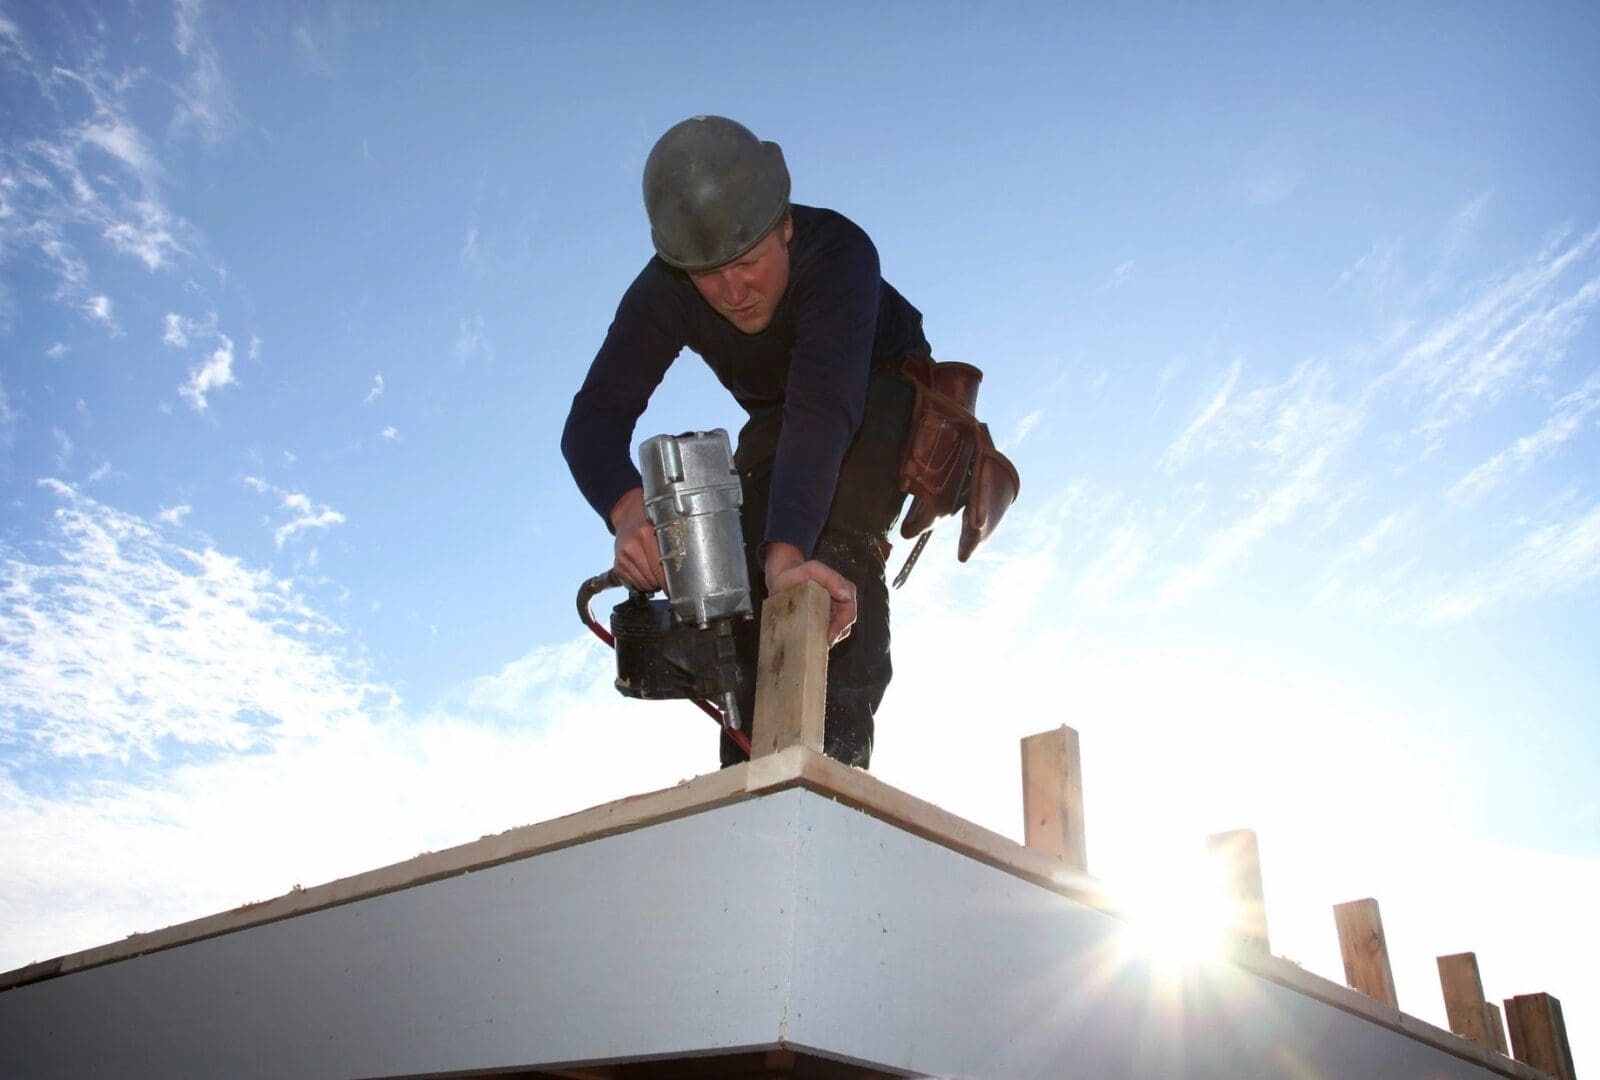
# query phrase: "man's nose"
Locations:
[[736, 289]]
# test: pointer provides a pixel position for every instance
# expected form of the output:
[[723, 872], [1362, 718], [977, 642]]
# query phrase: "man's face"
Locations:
[[746, 291]]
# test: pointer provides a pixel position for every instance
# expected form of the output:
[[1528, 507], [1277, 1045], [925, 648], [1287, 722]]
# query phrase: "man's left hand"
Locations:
[[787, 566]]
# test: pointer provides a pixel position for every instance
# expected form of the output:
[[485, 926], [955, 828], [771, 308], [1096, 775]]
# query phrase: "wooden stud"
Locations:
[[1463, 997], [1539, 1034], [1497, 1030], [1052, 796], [1239, 855], [1365, 950], [792, 673]]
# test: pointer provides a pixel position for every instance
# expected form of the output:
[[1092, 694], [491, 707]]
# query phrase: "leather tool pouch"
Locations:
[[950, 462]]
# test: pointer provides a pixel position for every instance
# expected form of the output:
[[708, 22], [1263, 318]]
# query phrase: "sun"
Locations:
[[1176, 919]]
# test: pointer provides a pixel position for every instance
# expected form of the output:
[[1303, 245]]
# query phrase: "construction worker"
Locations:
[[786, 305]]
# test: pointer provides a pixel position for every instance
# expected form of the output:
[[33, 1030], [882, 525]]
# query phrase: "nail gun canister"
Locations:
[[692, 495]]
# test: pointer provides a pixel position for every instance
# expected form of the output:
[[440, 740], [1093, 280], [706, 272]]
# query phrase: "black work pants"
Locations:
[[853, 542]]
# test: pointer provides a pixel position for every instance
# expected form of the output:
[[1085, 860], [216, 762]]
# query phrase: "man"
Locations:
[[786, 306]]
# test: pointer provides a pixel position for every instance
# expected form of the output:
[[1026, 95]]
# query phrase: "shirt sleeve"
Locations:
[[645, 337], [835, 302]]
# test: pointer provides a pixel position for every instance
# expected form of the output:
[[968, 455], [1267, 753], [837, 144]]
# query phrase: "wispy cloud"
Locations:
[[205, 104], [127, 642], [13, 49], [377, 389], [1024, 428], [472, 344], [1290, 433], [174, 515], [471, 254], [99, 309], [1505, 333], [303, 514], [178, 330], [1189, 441], [191, 691], [8, 419], [90, 183], [1120, 275], [214, 373], [390, 434], [1568, 417], [1553, 559], [310, 52]]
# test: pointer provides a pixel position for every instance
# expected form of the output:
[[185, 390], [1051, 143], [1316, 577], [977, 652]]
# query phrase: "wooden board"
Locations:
[[1052, 796], [792, 674], [1539, 1034], [1239, 856], [1463, 997], [1365, 950]]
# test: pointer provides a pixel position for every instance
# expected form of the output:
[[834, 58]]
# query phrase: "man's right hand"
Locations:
[[638, 558]]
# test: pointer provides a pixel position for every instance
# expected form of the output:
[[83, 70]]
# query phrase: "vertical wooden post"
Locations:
[[1365, 950], [792, 672], [1497, 1030], [1463, 997], [1239, 855], [1052, 796], [1539, 1034]]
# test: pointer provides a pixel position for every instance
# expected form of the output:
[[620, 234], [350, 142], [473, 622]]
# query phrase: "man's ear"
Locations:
[[788, 227]]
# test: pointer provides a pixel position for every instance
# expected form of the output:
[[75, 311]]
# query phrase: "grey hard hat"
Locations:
[[712, 190]]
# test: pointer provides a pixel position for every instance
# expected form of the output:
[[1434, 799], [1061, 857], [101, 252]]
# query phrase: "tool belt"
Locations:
[[949, 462]]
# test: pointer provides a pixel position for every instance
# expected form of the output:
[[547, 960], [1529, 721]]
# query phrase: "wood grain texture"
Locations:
[[1365, 949], [1238, 854], [1052, 796], [1497, 1028], [1539, 1034], [792, 673], [1463, 997]]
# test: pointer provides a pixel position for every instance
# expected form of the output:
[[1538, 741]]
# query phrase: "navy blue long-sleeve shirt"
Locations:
[[837, 320]]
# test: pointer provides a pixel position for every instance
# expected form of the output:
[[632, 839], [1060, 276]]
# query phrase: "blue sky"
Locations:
[[1286, 319]]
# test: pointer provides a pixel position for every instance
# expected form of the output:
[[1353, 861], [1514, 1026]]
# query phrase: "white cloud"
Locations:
[[310, 52], [178, 330], [391, 433], [1509, 331], [100, 473], [64, 449], [377, 389], [174, 515], [1293, 432], [303, 513], [1568, 417], [56, 351], [147, 238], [1551, 560], [94, 181], [8, 418], [471, 254], [1120, 275], [205, 104], [1185, 445], [13, 48], [214, 373], [100, 309], [1023, 429], [471, 342], [197, 691]]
